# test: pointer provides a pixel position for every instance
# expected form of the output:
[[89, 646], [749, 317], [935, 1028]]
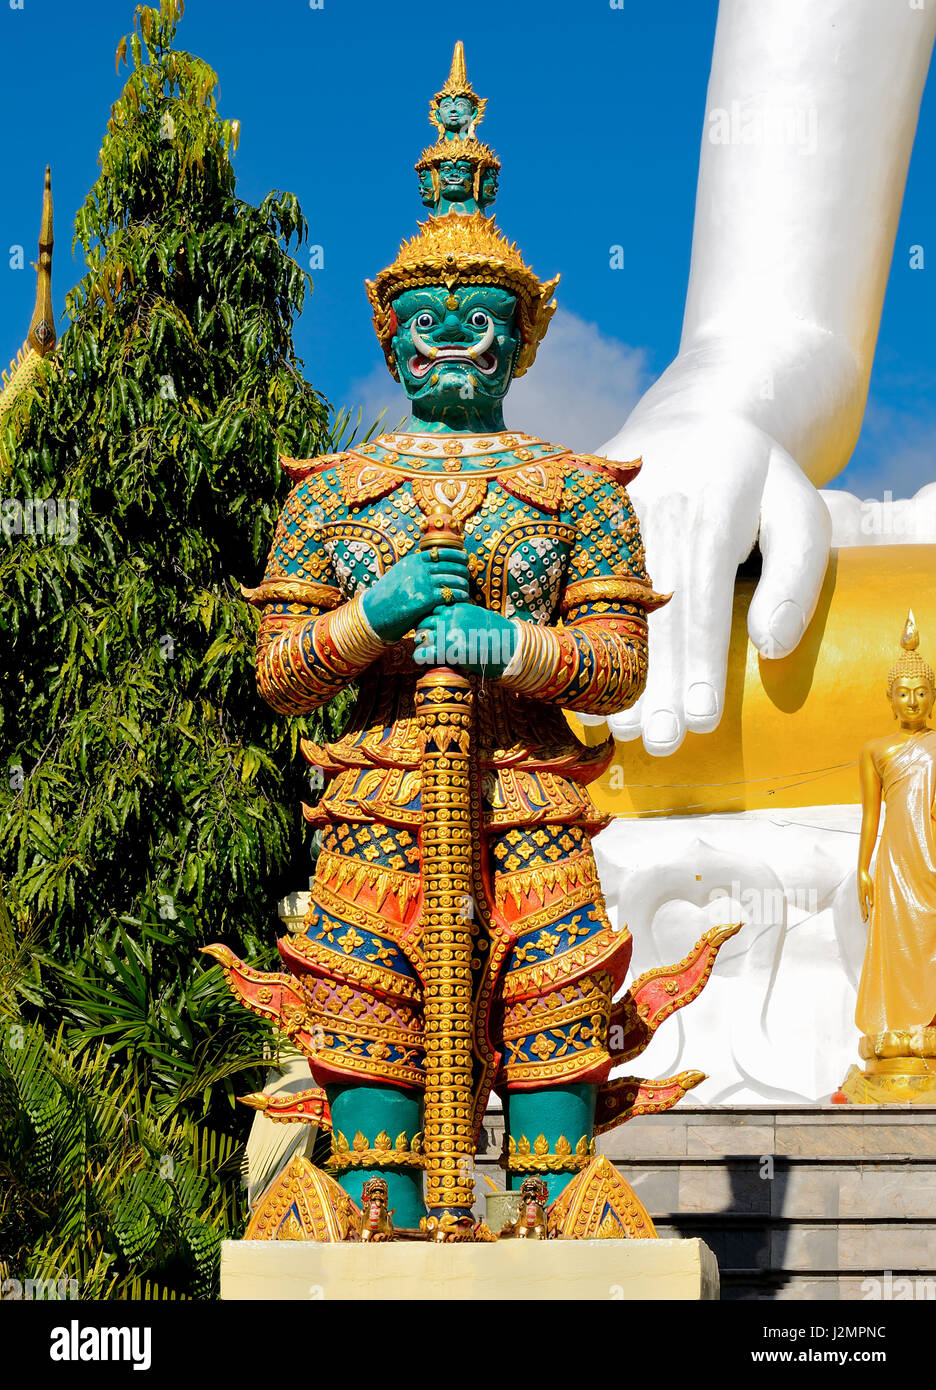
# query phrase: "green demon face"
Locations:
[[456, 179], [456, 349]]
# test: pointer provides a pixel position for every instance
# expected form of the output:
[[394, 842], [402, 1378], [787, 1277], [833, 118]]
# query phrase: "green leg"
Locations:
[[368, 1110], [557, 1110]]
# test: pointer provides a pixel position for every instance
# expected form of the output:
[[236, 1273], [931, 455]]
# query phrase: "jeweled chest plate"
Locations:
[[535, 518], [508, 500]]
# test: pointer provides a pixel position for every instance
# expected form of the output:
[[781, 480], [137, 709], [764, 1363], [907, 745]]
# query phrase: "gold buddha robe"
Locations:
[[898, 981]]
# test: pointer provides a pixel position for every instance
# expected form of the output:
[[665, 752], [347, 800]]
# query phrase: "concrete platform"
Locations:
[[554, 1270]]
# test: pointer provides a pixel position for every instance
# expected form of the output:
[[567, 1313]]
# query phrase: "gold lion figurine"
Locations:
[[378, 1219], [530, 1223]]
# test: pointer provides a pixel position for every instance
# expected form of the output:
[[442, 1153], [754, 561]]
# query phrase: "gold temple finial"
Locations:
[[40, 340], [910, 638], [41, 336]]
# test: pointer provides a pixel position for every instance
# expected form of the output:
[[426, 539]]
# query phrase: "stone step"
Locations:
[[899, 1191], [866, 1247], [757, 1286], [901, 1188], [814, 1202], [833, 1131]]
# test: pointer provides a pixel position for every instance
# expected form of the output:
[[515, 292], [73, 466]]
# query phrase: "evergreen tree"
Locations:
[[148, 798]]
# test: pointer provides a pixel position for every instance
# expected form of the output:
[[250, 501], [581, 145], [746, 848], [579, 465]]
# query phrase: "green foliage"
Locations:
[[96, 1186], [149, 801]]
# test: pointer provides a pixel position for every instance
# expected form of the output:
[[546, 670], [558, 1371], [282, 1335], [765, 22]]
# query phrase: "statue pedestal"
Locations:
[[657, 1270], [905, 1085]]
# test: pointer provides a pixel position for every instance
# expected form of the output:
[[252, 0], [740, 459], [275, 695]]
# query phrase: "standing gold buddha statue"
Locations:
[[896, 1008]]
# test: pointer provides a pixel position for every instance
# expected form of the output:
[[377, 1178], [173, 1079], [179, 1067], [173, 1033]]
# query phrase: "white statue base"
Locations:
[[775, 1023]]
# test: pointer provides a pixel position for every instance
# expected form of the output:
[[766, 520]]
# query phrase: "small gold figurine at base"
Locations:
[[530, 1222], [377, 1224], [449, 1228]]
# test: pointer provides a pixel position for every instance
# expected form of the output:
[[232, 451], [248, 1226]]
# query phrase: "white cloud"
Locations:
[[375, 393], [581, 388], [579, 391], [896, 452]]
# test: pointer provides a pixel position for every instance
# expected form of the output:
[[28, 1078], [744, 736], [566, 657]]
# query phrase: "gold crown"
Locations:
[[450, 151], [464, 249], [910, 663]]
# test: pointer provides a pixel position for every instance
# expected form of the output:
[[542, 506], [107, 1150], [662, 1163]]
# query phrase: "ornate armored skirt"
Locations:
[[546, 959], [546, 963]]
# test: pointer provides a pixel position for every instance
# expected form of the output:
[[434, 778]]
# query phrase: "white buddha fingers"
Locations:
[[795, 534], [661, 713], [698, 499]]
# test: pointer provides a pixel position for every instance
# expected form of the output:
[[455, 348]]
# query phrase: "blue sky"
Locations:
[[596, 114]]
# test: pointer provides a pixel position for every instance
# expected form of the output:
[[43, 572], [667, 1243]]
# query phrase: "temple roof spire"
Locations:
[[41, 338]]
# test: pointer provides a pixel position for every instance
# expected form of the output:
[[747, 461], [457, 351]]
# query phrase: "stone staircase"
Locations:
[[818, 1202]]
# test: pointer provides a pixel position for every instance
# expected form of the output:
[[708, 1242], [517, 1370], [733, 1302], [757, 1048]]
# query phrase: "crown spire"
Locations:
[[458, 173], [457, 78]]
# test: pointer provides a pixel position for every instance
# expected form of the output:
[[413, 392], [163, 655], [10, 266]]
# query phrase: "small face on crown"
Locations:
[[456, 347], [456, 114], [467, 184], [912, 701], [488, 187]]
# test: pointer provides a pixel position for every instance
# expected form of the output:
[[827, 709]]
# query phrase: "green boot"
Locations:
[[565, 1117], [374, 1111]]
